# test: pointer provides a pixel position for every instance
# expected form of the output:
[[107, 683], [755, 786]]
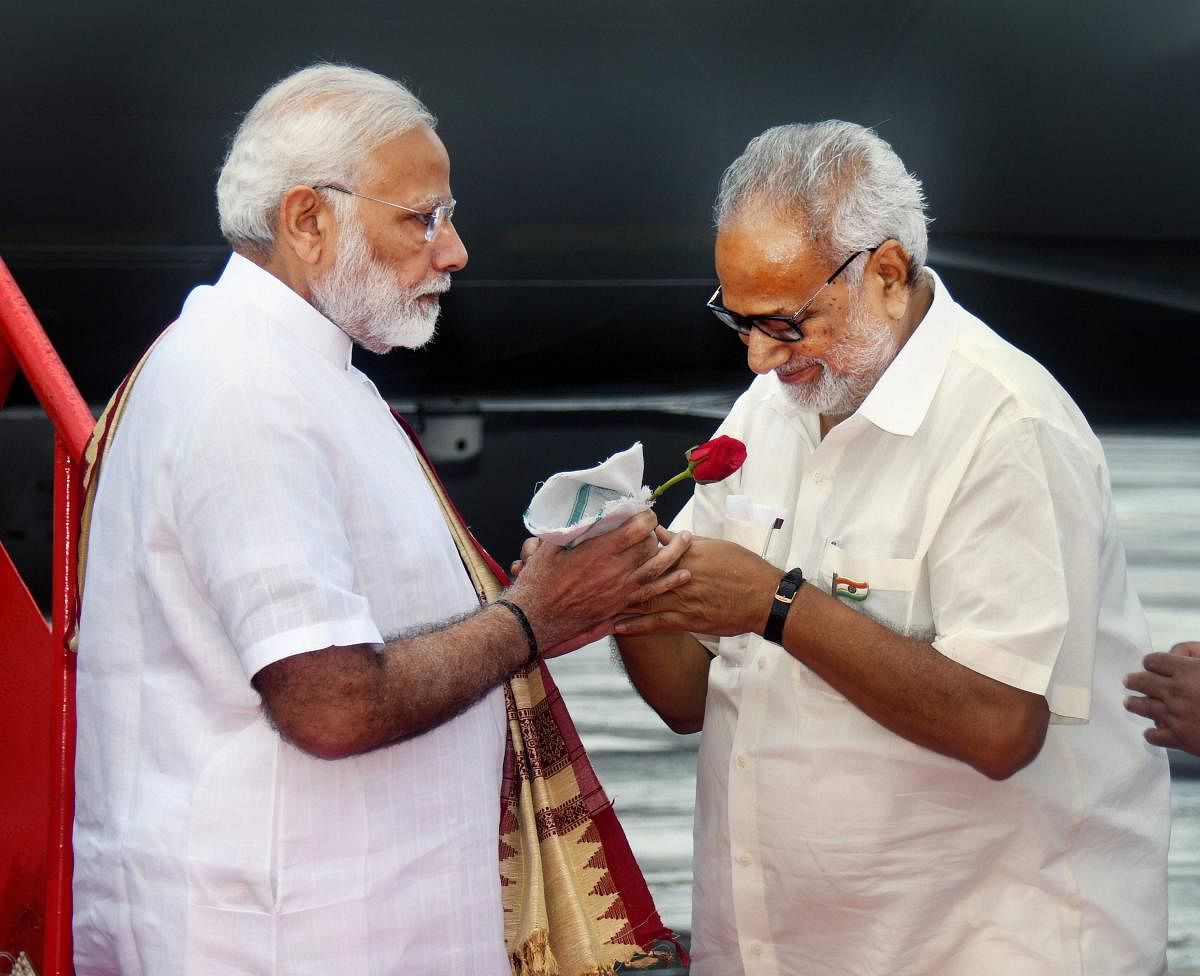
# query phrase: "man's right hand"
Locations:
[[574, 596], [1169, 695]]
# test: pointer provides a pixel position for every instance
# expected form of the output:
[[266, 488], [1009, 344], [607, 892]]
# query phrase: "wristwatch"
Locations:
[[789, 586]]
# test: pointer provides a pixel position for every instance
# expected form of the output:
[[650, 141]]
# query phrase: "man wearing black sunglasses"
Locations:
[[915, 758]]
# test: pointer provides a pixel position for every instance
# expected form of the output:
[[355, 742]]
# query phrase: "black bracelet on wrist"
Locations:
[[789, 586], [524, 622]]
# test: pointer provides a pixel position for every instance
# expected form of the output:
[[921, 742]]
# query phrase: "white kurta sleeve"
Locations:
[[1013, 568], [257, 496]]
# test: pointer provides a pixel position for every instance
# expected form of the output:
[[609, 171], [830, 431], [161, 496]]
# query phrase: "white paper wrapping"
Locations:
[[576, 505]]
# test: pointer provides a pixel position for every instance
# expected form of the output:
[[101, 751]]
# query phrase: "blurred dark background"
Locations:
[[1056, 141]]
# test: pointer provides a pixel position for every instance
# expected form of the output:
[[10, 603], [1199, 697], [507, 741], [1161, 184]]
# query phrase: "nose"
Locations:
[[763, 353], [449, 252]]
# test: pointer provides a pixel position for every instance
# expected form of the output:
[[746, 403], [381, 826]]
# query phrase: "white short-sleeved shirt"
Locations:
[[259, 501], [969, 496]]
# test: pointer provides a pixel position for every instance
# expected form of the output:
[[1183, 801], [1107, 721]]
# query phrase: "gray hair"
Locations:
[[845, 182], [317, 125]]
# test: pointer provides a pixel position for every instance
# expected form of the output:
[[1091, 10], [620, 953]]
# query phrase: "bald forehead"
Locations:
[[762, 238]]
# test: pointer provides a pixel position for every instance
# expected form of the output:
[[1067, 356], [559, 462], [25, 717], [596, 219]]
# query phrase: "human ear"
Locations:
[[306, 225], [890, 266]]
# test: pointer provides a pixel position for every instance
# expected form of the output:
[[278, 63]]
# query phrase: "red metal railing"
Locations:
[[37, 672]]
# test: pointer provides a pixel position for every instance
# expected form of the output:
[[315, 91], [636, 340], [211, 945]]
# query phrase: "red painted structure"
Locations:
[[37, 672]]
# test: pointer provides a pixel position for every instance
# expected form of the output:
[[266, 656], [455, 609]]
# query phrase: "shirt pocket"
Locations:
[[762, 527], [894, 592], [751, 536]]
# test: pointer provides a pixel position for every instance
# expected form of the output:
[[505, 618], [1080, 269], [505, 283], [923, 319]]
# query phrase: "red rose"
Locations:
[[717, 459], [711, 461]]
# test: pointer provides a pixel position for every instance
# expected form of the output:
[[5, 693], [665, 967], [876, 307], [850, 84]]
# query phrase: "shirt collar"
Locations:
[[901, 397], [284, 307]]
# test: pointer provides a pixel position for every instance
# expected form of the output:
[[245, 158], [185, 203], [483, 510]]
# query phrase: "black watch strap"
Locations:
[[789, 586]]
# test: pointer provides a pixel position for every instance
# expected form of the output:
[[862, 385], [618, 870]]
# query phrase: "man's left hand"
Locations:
[[729, 593]]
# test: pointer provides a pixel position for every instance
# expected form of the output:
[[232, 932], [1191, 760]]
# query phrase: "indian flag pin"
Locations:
[[850, 589]]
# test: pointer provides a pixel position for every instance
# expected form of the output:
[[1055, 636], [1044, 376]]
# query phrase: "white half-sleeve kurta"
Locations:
[[259, 501], [971, 500]]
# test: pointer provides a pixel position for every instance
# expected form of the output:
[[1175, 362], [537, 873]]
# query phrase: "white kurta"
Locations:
[[970, 496], [259, 501]]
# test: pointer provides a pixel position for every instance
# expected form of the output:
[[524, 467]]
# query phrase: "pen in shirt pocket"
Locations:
[[775, 527]]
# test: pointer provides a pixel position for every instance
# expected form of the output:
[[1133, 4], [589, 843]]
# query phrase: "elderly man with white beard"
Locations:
[[915, 759], [291, 725]]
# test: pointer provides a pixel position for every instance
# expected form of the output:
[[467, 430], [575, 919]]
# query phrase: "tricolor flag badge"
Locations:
[[850, 589]]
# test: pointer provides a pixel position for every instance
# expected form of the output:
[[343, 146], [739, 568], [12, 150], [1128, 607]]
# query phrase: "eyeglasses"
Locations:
[[790, 330], [432, 219]]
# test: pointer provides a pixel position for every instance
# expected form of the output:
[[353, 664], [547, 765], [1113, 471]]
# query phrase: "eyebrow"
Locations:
[[428, 203], [786, 312]]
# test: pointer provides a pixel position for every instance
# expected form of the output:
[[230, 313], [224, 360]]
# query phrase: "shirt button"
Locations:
[[744, 860], [741, 761], [762, 663], [818, 476], [756, 948]]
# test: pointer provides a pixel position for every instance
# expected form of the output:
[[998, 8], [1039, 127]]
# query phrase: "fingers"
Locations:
[[528, 548], [1159, 736], [1168, 698], [644, 595], [1146, 683], [654, 574], [1157, 710], [1138, 705], [1187, 649], [569, 593], [1159, 663], [635, 531], [665, 557], [633, 546]]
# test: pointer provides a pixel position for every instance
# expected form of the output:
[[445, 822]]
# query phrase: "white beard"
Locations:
[[863, 353], [360, 296]]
